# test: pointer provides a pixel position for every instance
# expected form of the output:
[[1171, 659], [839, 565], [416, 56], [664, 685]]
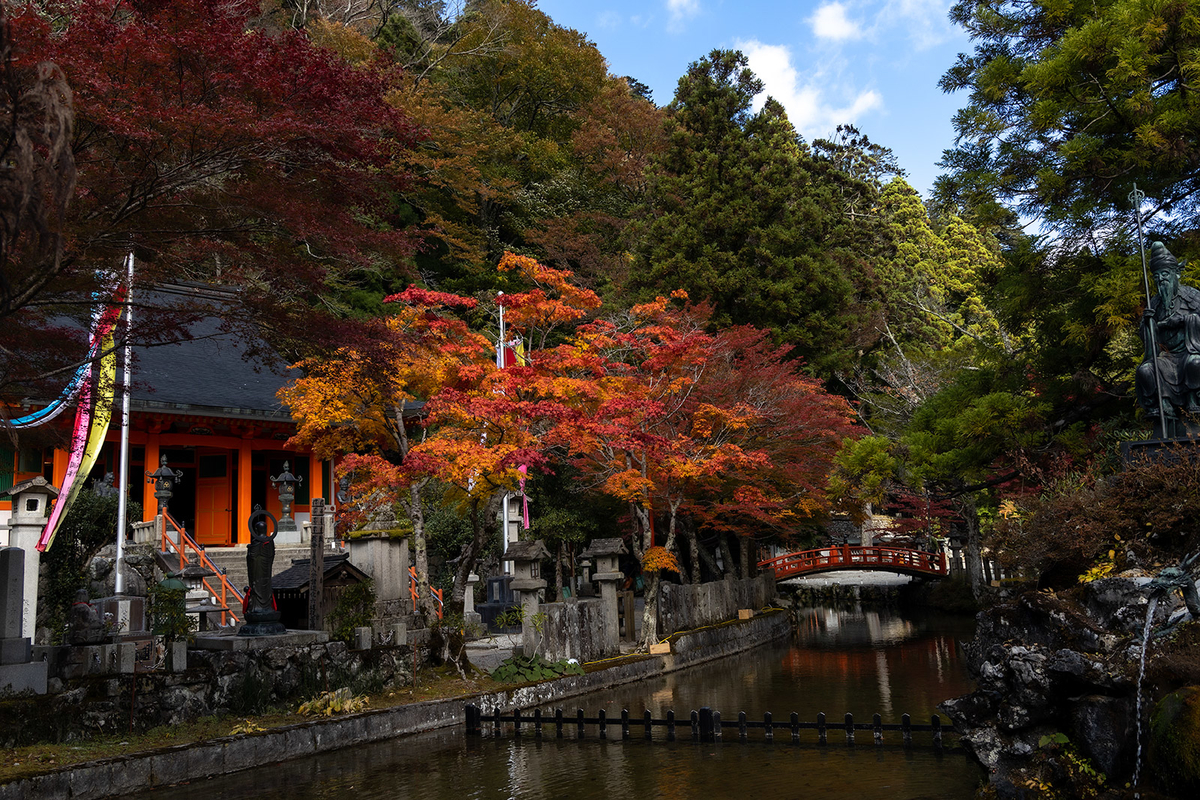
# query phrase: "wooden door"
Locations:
[[213, 497]]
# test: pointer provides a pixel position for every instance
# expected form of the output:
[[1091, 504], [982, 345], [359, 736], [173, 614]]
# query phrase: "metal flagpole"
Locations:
[[1136, 197], [123, 493], [504, 513]]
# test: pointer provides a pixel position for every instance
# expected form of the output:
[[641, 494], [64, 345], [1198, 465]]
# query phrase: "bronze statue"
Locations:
[[262, 618], [1172, 323]]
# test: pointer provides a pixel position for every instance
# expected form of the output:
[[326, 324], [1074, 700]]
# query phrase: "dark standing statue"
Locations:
[[262, 619], [1174, 315]]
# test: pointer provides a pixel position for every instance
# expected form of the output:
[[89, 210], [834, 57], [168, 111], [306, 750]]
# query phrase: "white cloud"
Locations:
[[807, 99], [926, 23], [610, 20], [830, 22], [681, 9]]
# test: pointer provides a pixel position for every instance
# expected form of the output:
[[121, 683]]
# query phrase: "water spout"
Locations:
[[1137, 766]]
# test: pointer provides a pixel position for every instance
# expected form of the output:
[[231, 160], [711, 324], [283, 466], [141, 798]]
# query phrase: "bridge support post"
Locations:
[[706, 724]]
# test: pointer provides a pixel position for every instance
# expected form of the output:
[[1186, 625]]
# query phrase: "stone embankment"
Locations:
[[167, 766], [1058, 678]]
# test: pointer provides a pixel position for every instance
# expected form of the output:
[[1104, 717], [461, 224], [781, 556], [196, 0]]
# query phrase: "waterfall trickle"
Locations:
[[1137, 766]]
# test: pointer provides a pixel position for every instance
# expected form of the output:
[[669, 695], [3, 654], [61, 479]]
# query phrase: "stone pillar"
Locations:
[[17, 674], [470, 615], [607, 553], [609, 581], [385, 559], [30, 503]]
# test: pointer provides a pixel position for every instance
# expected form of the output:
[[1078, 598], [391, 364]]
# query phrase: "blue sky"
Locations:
[[873, 63]]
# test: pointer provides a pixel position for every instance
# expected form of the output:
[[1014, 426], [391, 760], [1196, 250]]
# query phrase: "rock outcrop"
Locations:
[[1057, 678]]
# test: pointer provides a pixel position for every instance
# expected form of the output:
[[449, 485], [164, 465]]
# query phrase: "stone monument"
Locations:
[[17, 672], [528, 583]]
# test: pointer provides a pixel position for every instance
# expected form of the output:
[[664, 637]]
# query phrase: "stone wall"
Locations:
[[237, 682], [690, 606], [578, 629]]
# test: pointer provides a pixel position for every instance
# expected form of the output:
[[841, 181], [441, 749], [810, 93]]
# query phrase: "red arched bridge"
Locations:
[[828, 559]]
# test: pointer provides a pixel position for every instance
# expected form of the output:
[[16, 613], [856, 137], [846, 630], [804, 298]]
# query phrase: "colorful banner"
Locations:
[[91, 424], [103, 323]]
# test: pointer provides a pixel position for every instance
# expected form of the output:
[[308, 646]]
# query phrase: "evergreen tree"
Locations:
[[737, 219], [1071, 103]]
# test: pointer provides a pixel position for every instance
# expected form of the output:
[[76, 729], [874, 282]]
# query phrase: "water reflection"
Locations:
[[849, 660]]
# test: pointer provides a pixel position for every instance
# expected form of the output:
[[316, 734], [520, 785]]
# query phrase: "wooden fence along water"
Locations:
[[705, 725]]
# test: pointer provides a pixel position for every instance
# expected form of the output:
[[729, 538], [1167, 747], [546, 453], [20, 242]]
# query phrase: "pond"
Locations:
[[840, 660]]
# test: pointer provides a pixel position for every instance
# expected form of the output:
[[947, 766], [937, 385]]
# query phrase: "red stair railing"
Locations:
[[180, 548]]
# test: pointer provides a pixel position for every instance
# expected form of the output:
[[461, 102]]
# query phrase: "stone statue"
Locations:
[[103, 487], [85, 625], [262, 618], [1172, 322]]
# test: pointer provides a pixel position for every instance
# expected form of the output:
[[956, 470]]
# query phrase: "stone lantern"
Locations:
[[607, 553], [30, 505], [527, 566], [287, 483], [162, 478]]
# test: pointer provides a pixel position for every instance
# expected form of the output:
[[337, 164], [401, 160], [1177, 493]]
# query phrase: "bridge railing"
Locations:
[[856, 557], [705, 725]]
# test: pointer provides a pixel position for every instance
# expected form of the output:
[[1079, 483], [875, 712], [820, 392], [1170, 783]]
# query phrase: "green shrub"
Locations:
[[354, 609], [523, 669]]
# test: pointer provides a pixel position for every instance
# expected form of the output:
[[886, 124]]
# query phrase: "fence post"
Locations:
[[937, 731], [517, 721], [496, 722], [473, 720], [670, 725], [906, 728], [795, 727], [316, 566], [716, 716], [768, 726], [649, 721], [600, 715], [558, 721], [878, 723], [849, 728], [537, 722], [742, 725], [624, 723], [821, 727], [579, 722], [702, 724]]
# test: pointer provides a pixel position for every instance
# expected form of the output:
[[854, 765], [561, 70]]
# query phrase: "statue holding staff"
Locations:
[[1171, 338]]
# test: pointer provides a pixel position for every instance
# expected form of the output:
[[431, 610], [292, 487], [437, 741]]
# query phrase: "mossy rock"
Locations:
[[1175, 741]]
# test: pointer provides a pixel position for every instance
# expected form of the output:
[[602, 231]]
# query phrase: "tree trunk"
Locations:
[[416, 512], [558, 574], [701, 555], [726, 554], [650, 612], [469, 557], [974, 554], [744, 543]]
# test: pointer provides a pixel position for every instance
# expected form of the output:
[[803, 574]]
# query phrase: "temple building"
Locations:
[[211, 409]]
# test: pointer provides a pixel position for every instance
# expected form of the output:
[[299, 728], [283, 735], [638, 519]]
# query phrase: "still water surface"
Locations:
[[840, 660]]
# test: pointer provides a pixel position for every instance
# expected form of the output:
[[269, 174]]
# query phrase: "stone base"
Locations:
[[262, 629], [15, 651], [257, 642], [17, 678]]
